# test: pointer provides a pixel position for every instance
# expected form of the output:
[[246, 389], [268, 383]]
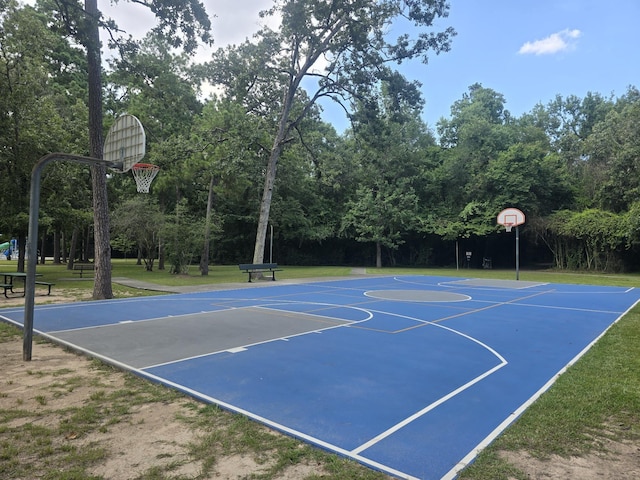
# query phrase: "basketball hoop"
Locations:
[[144, 173], [510, 217]]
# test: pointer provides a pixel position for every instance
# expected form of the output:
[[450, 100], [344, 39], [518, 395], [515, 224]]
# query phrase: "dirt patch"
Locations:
[[41, 298], [149, 436], [619, 460]]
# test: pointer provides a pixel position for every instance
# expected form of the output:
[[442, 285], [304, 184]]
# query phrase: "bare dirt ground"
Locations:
[[155, 435], [621, 462]]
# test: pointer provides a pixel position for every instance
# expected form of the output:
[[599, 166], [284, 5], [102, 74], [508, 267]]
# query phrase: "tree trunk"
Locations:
[[161, 254], [42, 253], [269, 181], [72, 248], [22, 248], [102, 256], [204, 258], [64, 247], [56, 246], [85, 254]]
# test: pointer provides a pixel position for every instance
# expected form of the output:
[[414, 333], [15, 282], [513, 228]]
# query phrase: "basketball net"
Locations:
[[144, 173], [508, 226]]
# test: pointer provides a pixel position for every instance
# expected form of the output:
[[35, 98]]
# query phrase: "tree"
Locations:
[[390, 138], [351, 36], [382, 214], [155, 84], [568, 123], [139, 220], [30, 120], [613, 150], [183, 22], [182, 234], [473, 118]]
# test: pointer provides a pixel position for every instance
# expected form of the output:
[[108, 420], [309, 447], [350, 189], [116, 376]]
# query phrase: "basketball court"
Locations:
[[409, 375]]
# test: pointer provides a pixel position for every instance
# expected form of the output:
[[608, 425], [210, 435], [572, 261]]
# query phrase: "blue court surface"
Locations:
[[408, 375]]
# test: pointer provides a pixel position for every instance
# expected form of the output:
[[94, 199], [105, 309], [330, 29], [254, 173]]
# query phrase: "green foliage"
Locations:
[[182, 238], [389, 137], [571, 165], [139, 221], [31, 106], [592, 239]]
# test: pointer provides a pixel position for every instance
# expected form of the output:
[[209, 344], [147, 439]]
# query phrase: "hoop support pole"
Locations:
[[517, 253], [32, 239]]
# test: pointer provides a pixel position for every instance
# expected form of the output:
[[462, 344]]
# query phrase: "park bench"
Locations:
[[252, 268], [83, 267]]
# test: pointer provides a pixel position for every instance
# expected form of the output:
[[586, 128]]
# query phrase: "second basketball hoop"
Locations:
[[144, 173], [510, 217]]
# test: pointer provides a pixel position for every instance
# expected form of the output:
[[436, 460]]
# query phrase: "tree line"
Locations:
[[388, 190]]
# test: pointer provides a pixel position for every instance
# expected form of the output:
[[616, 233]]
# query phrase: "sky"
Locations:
[[527, 50]]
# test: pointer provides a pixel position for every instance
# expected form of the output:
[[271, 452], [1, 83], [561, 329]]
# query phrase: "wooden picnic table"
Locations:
[[9, 284]]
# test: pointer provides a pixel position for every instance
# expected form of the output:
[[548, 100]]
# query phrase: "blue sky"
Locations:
[[532, 50], [527, 50]]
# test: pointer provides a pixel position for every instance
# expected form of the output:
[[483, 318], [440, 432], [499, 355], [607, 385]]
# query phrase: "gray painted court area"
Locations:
[[162, 340], [418, 296]]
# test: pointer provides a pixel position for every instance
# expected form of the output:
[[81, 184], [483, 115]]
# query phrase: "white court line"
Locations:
[[282, 428], [574, 309], [451, 474], [141, 321], [277, 339], [271, 306], [425, 410], [440, 401], [355, 453], [551, 307], [198, 395]]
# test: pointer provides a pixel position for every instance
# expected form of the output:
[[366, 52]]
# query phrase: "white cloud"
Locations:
[[556, 42]]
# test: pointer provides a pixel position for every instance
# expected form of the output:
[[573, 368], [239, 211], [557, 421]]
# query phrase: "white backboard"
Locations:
[[125, 142], [511, 217]]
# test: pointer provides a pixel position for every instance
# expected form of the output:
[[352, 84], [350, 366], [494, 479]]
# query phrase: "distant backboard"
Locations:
[[511, 217], [125, 142]]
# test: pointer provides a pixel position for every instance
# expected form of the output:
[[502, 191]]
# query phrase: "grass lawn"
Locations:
[[596, 399]]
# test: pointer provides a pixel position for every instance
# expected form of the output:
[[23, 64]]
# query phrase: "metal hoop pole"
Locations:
[[517, 253], [32, 240]]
